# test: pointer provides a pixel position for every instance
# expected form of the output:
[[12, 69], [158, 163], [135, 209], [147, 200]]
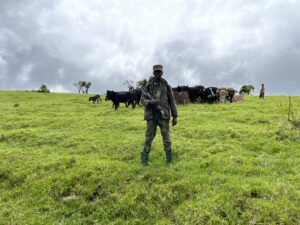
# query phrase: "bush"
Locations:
[[246, 89], [44, 89]]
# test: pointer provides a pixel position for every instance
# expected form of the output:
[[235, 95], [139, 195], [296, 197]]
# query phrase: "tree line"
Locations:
[[83, 86]]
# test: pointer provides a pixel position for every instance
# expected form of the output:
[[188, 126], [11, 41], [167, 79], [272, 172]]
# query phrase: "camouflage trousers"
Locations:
[[151, 132]]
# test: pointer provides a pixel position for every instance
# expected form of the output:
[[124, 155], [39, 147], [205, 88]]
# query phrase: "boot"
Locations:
[[169, 157], [144, 158]]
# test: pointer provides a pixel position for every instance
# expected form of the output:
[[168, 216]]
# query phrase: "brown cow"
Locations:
[[238, 98], [181, 97]]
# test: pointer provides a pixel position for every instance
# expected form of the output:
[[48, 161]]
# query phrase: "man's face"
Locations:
[[157, 74]]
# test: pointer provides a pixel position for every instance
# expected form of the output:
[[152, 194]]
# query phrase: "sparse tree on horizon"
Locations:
[[83, 86], [87, 86], [129, 84]]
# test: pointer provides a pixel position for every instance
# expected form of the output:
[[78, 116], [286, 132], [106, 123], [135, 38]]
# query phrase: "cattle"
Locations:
[[223, 94], [231, 93], [202, 95], [197, 93], [180, 89], [137, 93], [211, 95], [238, 98], [175, 89], [126, 97], [193, 92], [226, 94], [95, 98], [181, 97]]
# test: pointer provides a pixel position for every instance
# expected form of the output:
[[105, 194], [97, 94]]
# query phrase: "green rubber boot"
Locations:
[[169, 157], [144, 158]]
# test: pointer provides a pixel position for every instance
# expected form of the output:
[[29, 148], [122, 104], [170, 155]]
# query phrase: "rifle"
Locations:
[[151, 98]]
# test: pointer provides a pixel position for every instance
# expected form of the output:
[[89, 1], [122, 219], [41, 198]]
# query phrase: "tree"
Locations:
[[141, 83], [83, 86], [87, 86], [79, 85], [129, 84], [246, 89], [44, 89]]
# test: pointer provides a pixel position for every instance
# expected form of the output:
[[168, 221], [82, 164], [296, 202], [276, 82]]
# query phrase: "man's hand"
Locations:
[[174, 121], [155, 102]]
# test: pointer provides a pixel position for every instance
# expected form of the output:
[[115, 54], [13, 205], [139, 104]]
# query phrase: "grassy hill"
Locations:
[[65, 161]]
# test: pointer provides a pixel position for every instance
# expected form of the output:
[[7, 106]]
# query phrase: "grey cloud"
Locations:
[[220, 43]]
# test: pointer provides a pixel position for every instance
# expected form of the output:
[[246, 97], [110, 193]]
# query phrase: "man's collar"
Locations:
[[158, 82]]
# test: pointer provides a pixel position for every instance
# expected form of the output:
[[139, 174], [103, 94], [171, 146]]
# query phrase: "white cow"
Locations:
[[223, 95]]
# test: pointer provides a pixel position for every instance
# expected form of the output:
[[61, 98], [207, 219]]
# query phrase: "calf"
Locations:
[[95, 98]]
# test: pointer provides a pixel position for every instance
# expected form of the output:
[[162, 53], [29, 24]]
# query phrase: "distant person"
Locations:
[[262, 92], [159, 102]]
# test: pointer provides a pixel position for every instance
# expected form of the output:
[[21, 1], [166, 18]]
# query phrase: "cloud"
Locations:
[[215, 43]]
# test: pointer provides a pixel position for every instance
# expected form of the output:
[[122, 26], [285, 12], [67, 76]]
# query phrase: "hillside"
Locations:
[[66, 161]]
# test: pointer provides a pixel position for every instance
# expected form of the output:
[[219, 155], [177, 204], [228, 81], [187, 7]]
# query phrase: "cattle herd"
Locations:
[[182, 95], [186, 94]]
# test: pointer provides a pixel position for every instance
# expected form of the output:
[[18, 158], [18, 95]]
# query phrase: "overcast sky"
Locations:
[[213, 43]]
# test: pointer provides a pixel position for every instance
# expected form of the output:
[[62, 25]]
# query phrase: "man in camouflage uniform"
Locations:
[[157, 113]]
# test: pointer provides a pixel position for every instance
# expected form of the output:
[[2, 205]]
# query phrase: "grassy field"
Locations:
[[65, 161]]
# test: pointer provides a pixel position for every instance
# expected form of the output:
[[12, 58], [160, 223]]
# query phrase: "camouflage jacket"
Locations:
[[162, 91]]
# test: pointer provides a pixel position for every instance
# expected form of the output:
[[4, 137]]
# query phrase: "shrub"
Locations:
[[44, 89]]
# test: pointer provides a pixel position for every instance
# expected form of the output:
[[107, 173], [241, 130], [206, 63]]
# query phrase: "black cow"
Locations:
[[202, 94], [95, 98], [137, 93], [195, 93], [211, 95], [122, 96], [182, 88], [231, 93], [174, 89]]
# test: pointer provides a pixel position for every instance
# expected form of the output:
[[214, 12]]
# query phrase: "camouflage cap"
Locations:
[[157, 67]]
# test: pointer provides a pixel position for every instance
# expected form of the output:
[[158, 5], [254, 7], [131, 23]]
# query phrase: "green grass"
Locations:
[[65, 161]]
